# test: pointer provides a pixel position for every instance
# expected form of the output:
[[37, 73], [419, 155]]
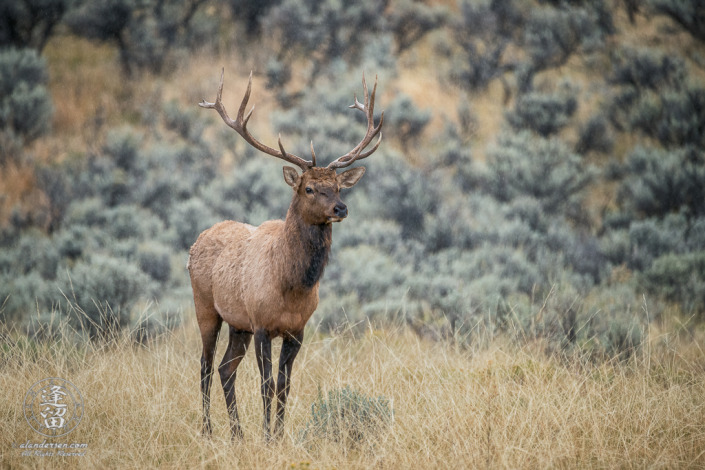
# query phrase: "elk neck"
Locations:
[[308, 247]]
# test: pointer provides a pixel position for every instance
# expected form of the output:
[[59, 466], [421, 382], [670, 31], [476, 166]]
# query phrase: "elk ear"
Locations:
[[291, 176], [349, 178]]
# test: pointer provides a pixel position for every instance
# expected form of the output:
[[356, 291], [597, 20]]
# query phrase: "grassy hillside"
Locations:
[[521, 278]]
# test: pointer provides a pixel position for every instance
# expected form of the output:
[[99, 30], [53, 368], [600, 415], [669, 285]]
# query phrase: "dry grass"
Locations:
[[504, 407]]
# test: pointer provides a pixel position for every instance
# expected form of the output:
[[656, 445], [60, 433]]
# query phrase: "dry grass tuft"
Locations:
[[504, 407]]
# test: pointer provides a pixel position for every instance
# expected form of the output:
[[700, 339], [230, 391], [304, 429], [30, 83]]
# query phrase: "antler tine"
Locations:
[[368, 108], [313, 155], [362, 154], [245, 99], [281, 147], [239, 125]]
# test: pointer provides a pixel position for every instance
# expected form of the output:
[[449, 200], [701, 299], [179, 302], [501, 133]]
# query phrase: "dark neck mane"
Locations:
[[309, 247]]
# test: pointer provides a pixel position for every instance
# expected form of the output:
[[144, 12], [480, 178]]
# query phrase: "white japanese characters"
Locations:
[[53, 407]]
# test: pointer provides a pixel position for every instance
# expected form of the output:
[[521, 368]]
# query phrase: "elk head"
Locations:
[[317, 193], [316, 189]]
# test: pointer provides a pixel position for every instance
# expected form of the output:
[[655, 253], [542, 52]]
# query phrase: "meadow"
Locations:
[[502, 406]]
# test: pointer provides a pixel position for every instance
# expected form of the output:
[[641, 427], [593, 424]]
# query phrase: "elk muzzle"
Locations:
[[340, 211]]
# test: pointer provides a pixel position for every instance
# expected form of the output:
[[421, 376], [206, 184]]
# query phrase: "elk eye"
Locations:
[[309, 190]]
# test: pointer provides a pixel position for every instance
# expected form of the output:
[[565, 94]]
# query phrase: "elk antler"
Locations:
[[240, 126], [368, 108]]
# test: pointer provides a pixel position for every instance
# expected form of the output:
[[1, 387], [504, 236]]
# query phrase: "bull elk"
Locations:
[[263, 281]]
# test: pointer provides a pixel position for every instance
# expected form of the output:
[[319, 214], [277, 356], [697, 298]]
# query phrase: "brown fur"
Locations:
[[253, 277], [264, 280]]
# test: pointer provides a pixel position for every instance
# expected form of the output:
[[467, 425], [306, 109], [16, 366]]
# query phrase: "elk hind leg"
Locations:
[[237, 347], [209, 336]]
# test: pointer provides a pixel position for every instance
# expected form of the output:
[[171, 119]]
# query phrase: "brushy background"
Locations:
[[521, 279]]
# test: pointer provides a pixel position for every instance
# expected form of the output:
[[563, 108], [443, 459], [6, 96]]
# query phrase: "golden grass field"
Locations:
[[501, 406]]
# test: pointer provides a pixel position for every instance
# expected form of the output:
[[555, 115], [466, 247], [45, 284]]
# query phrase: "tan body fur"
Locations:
[[243, 274]]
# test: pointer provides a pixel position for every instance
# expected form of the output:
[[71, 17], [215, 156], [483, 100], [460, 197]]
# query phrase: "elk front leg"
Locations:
[[263, 351], [290, 348], [237, 347]]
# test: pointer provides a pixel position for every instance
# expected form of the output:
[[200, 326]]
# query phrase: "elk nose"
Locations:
[[340, 210]]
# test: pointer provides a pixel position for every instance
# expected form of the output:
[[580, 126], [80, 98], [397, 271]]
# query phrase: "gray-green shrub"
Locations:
[[483, 31], [189, 219], [347, 416], [30, 23], [394, 190], [660, 182], [595, 136], [25, 103], [324, 31], [553, 35], [155, 259], [25, 295], [686, 13], [678, 278], [406, 120], [543, 113], [145, 33], [103, 291], [522, 165], [122, 145]]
